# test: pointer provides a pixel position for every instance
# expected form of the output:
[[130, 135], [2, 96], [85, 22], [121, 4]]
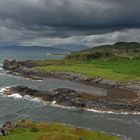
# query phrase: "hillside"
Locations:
[[120, 61], [29, 130], [119, 49], [71, 47], [37, 48], [61, 47]]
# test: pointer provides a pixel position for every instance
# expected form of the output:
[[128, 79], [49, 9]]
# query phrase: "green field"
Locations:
[[54, 131], [115, 69]]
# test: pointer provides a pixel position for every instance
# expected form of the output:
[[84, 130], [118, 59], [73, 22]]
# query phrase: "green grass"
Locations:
[[55, 131], [21, 134], [48, 62], [120, 69]]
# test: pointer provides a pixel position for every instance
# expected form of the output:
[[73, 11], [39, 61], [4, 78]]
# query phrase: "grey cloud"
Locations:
[[23, 21], [90, 40], [72, 13]]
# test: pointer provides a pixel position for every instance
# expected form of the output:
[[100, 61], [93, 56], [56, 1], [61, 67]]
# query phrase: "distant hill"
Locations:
[[125, 46], [34, 48], [119, 49], [71, 47], [63, 47]]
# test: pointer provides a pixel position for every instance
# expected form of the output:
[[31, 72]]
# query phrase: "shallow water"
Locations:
[[13, 109]]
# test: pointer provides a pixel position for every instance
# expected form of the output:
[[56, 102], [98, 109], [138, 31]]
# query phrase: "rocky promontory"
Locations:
[[24, 68], [120, 97], [115, 100]]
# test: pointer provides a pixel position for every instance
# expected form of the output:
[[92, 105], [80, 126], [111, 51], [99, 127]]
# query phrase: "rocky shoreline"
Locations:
[[24, 68], [120, 97], [72, 98]]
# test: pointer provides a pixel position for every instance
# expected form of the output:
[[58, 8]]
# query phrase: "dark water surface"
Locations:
[[13, 109]]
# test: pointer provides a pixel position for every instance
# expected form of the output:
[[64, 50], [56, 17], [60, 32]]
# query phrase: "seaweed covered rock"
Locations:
[[6, 128], [10, 65]]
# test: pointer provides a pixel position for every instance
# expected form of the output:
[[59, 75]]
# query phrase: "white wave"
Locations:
[[93, 110], [27, 97], [48, 54], [5, 89], [1, 68], [16, 73], [113, 112], [16, 96], [34, 80], [54, 104], [2, 90], [39, 80]]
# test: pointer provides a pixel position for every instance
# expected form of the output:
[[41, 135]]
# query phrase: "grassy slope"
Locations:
[[121, 69], [54, 131], [120, 61]]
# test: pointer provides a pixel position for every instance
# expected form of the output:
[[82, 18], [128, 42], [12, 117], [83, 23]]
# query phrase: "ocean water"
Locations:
[[14, 108]]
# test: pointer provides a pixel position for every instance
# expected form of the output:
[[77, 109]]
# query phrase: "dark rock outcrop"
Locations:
[[23, 68], [120, 97], [10, 65], [116, 100], [6, 128]]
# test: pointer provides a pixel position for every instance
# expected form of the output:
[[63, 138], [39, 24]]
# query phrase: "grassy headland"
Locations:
[[117, 69], [117, 50], [29, 130], [120, 61]]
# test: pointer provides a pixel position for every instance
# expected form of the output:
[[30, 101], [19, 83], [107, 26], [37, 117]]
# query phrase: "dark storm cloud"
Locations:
[[29, 19], [72, 13]]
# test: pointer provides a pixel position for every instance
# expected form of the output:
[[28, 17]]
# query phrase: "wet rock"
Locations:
[[115, 100], [69, 97], [63, 90], [10, 65], [96, 80], [8, 125], [23, 68], [110, 83], [2, 132], [6, 129]]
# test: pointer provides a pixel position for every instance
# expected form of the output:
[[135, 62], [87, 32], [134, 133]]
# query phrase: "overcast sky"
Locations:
[[50, 22]]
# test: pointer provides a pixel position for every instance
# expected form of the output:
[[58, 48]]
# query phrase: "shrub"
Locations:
[[34, 129]]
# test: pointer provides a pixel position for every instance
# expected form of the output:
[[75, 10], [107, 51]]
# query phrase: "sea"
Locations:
[[13, 108]]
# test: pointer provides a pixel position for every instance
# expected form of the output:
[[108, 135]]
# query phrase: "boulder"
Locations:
[[6, 128], [10, 65]]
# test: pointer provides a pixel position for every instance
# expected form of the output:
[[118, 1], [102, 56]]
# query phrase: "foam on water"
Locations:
[[94, 110], [16, 96], [48, 54], [2, 90], [27, 97], [54, 104]]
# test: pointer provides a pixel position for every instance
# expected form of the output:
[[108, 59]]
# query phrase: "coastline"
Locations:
[[39, 130], [127, 96], [70, 99], [54, 104]]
